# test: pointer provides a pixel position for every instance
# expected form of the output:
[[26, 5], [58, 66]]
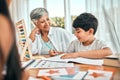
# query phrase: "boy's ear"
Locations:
[[91, 30]]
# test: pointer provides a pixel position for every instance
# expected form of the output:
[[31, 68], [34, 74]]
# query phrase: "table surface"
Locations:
[[84, 67]]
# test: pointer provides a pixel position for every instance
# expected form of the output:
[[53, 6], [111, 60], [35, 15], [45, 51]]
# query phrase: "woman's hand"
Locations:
[[32, 34], [69, 55], [54, 53]]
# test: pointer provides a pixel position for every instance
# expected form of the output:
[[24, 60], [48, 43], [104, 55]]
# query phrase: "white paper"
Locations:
[[47, 64], [78, 60], [77, 76], [102, 75], [53, 64], [47, 72], [80, 75], [26, 63], [33, 78], [113, 56]]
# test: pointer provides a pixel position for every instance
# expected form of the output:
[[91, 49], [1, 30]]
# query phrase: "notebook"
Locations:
[[77, 60]]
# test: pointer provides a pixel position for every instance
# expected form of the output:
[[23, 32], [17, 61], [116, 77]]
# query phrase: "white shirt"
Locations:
[[59, 38], [77, 46]]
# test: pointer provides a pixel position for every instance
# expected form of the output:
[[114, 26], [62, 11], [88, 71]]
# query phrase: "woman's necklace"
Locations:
[[47, 43], [45, 38]]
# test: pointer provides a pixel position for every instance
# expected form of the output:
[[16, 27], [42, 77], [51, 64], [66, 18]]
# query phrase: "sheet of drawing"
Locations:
[[98, 75], [52, 72], [80, 75]]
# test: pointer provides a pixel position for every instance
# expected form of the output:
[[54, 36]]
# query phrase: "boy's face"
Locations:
[[82, 35]]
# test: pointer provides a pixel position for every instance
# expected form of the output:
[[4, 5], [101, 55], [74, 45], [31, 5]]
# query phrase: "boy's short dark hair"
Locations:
[[86, 21]]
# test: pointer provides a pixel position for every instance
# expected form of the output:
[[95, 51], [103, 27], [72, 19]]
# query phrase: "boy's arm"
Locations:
[[90, 54]]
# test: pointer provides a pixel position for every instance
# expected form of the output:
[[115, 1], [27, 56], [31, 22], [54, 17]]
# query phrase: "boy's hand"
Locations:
[[69, 55]]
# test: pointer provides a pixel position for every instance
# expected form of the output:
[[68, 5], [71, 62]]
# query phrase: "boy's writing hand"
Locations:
[[69, 55]]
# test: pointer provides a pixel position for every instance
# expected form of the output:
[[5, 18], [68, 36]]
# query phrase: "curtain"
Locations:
[[107, 13], [19, 10]]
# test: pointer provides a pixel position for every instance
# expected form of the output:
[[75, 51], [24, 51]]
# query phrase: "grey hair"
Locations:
[[37, 13]]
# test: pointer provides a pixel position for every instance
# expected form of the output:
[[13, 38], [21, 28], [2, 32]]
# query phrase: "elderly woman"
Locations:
[[47, 39]]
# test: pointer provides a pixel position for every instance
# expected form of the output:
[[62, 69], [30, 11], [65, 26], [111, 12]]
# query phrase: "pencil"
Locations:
[[84, 75], [28, 64], [37, 63]]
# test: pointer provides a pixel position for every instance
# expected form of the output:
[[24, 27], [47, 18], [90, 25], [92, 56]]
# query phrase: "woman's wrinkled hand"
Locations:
[[32, 34], [54, 53]]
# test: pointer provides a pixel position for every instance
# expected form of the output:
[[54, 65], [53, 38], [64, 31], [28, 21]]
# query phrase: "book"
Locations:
[[111, 62], [77, 60], [113, 56]]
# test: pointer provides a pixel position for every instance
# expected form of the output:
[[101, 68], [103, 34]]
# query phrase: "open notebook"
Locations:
[[77, 60]]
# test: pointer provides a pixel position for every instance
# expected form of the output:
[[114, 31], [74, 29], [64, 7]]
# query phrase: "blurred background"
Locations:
[[63, 12]]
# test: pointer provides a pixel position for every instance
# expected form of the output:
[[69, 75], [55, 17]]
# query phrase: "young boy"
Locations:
[[86, 44]]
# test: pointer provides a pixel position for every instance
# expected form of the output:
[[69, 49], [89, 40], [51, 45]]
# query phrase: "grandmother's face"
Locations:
[[43, 23]]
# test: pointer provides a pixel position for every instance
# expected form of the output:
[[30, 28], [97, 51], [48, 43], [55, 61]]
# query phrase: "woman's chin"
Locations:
[[46, 29], [80, 40]]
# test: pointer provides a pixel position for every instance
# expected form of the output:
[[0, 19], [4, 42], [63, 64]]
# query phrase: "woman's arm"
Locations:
[[32, 34]]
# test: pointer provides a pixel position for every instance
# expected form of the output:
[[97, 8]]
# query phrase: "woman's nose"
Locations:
[[47, 23]]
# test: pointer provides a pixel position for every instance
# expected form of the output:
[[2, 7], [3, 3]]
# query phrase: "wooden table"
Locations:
[[84, 67]]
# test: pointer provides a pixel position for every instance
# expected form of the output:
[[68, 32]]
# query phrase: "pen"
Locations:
[[37, 63], [56, 52], [51, 48], [85, 75], [28, 64]]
